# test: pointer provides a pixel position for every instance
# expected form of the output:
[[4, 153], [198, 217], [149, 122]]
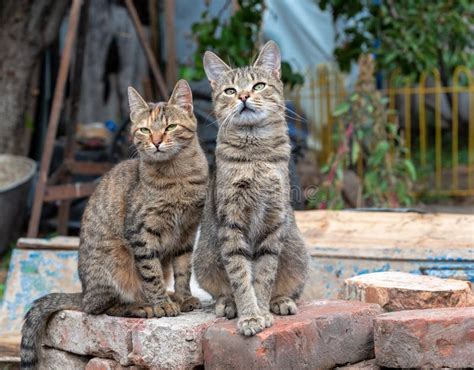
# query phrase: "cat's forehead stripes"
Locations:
[[243, 76], [157, 114]]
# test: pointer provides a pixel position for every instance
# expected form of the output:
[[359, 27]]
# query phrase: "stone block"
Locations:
[[168, 342], [54, 359]]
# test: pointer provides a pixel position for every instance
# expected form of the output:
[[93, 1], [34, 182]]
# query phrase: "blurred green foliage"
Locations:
[[366, 137], [234, 40], [412, 35]]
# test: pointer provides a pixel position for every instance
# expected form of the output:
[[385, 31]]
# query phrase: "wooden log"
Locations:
[[397, 291]]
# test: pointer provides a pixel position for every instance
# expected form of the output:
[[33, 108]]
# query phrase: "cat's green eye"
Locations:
[[230, 91], [170, 128], [259, 86], [145, 130]]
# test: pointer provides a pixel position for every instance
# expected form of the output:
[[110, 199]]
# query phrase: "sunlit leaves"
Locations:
[[234, 39], [412, 35]]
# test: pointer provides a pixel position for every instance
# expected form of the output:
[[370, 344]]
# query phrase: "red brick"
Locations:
[[441, 337], [322, 335], [107, 364]]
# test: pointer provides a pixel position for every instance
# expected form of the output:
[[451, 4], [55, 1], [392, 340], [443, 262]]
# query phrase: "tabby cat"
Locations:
[[250, 255], [139, 225]]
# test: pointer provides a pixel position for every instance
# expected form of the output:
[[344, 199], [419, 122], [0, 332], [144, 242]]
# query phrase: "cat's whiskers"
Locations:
[[296, 115], [226, 122]]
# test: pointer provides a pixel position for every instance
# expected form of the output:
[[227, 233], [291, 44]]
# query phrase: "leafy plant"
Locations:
[[412, 35], [234, 40], [367, 142]]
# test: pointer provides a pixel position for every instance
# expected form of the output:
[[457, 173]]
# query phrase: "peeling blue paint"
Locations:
[[329, 268], [445, 265], [31, 275]]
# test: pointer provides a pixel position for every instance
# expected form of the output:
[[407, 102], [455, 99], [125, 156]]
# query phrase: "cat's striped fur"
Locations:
[[139, 225], [250, 255]]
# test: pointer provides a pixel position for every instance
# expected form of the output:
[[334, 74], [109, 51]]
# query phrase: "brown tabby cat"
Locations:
[[250, 255], [140, 223]]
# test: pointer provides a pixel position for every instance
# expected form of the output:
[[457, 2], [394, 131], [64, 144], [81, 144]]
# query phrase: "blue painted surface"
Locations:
[[33, 274], [329, 272]]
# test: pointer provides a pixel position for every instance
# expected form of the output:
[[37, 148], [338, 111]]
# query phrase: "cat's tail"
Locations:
[[35, 323]]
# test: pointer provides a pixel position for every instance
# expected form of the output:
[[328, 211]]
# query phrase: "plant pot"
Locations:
[[16, 174]]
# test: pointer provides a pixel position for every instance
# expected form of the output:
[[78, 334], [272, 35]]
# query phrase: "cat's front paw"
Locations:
[[189, 304], [251, 325], [186, 302], [166, 307], [283, 306], [268, 319], [225, 307]]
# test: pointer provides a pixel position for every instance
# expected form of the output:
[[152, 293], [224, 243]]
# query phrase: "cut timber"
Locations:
[[396, 291], [374, 234], [58, 242], [9, 345], [365, 233]]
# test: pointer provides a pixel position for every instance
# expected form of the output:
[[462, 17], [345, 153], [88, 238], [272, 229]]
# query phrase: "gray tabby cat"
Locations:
[[250, 255], [139, 225]]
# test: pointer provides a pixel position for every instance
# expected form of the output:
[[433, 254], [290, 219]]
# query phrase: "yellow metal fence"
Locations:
[[437, 123]]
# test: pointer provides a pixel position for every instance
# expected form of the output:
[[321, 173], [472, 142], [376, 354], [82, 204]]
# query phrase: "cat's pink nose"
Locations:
[[157, 139], [244, 96]]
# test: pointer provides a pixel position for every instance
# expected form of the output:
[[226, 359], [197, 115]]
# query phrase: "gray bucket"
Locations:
[[16, 174]]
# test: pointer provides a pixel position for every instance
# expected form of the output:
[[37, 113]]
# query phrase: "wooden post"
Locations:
[[148, 52], [171, 63], [54, 119], [154, 25], [70, 148]]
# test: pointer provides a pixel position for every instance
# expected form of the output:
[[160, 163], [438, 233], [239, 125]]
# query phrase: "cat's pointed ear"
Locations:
[[270, 58], [182, 96], [213, 66], [138, 106]]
